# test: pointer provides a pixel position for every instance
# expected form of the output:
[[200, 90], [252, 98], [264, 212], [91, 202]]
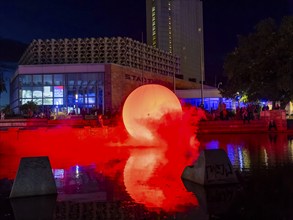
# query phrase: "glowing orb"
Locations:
[[144, 106]]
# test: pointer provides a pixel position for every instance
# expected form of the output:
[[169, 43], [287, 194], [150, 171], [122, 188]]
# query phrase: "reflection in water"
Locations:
[[250, 151], [216, 199], [65, 147], [151, 179], [83, 158], [290, 149], [238, 156], [39, 207], [97, 179], [139, 168]]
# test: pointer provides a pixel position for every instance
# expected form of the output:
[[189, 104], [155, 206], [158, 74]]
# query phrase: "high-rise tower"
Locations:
[[176, 26]]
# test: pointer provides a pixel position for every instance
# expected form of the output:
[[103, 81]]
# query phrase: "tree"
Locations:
[[261, 67], [29, 108], [7, 110]]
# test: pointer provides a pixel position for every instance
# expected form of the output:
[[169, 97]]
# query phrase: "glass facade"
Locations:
[[211, 104], [67, 92]]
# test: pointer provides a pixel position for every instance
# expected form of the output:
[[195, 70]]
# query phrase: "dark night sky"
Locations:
[[25, 20]]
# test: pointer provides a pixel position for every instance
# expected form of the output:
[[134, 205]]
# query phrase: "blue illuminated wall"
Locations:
[[212, 103]]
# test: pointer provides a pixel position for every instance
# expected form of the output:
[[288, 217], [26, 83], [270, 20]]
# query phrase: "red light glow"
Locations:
[[150, 170], [151, 174], [151, 179], [146, 104]]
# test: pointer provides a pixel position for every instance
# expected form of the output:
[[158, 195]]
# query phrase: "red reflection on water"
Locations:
[[150, 178], [115, 153], [151, 168], [65, 147]]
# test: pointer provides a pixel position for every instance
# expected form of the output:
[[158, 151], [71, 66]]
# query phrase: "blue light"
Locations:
[[77, 171], [240, 155], [212, 145]]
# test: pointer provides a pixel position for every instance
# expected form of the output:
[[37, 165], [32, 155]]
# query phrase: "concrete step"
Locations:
[[236, 126]]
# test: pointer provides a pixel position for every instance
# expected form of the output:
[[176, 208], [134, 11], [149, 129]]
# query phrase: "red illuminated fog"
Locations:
[[150, 166], [153, 116]]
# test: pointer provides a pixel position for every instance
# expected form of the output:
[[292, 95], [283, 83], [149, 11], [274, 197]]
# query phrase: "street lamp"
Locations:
[[201, 64], [174, 75]]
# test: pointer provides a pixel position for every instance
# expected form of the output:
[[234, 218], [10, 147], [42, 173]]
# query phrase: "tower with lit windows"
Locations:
[[176, 26]]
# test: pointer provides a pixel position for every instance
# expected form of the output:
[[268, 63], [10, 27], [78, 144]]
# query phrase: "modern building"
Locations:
[[176, 26], [91, 73], [212, 97]]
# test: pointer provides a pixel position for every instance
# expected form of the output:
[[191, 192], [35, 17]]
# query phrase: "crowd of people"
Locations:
[[245, 113]]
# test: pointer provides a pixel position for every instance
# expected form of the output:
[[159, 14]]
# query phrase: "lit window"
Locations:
[[26, 93], [58, 91], [58, 101], [47, 92], [47, 101]]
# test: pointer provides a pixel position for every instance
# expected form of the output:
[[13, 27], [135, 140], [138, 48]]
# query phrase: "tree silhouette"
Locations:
[[261, 67]]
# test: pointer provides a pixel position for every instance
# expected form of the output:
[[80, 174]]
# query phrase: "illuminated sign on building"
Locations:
[[58, 95], [143, 79], [58, 91]]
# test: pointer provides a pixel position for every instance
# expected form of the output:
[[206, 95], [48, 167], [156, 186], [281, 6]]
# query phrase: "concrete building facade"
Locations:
[[176, 26], [72, 74], [118, 50]]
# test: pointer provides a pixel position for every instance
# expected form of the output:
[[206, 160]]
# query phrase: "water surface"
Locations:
[[98, 181]]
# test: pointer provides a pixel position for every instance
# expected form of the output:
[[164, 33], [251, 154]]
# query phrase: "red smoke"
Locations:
[[151, 170]]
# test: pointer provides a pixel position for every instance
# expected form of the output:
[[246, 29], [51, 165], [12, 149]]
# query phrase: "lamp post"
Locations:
[[174, 75], [199, 21], [201, 65]]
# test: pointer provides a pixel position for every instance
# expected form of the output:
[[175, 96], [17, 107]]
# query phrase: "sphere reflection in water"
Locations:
[[151, 179]]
